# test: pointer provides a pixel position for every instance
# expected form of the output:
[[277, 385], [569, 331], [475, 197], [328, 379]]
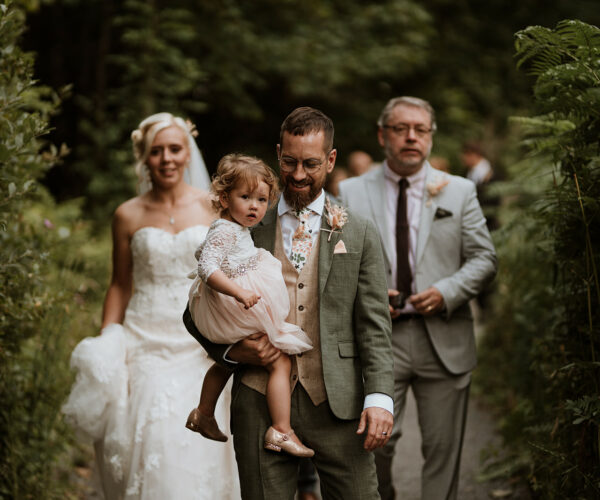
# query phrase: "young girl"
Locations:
[[238, 291]]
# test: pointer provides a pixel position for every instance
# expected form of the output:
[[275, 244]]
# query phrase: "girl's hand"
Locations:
[[247, 297]]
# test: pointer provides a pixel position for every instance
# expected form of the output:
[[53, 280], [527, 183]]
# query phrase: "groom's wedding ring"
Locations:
[[384, 433], [429, 308]]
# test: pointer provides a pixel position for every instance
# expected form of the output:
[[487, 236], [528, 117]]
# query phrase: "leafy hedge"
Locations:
[[43, 281], [543, 338]]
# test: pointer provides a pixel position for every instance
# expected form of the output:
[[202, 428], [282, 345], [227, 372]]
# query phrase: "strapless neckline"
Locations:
[[160, 229]]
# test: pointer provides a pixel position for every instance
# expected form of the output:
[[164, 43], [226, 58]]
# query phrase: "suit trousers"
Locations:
[[346, 470], [442, 409]]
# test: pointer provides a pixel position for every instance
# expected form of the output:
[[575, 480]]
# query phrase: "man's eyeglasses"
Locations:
[[403, 129], [311, 165]]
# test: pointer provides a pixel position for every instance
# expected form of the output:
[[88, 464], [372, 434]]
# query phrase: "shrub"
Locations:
[[544, 334]]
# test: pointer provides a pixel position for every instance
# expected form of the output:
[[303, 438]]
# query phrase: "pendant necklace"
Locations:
[[171, 220]]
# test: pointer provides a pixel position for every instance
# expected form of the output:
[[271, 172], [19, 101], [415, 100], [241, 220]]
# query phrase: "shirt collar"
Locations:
[[317, 205], [413, 180]]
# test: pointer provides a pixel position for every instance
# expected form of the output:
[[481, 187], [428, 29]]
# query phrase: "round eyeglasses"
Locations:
[[289, 163]]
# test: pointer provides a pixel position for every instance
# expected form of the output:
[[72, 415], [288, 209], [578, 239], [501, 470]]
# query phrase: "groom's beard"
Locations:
[[299, 200]]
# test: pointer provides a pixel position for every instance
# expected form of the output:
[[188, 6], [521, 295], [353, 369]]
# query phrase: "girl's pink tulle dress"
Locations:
[[221, 318]]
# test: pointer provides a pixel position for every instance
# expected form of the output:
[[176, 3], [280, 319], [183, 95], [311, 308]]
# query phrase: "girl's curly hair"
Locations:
[[236, 168]]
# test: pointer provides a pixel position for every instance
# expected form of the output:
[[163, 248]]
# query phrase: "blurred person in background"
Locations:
[[438, 255], [334, 178], [359, 163], [479, 169], [440, 163]]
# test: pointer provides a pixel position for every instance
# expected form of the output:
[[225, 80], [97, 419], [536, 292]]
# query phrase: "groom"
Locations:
[[334, 273]]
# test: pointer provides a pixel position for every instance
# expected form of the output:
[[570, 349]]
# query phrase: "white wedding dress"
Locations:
[[137, 382]]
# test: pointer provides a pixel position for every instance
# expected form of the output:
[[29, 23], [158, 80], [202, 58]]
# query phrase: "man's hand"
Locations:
[[254, 350], [428, 302], [379, 423], [394, 313]]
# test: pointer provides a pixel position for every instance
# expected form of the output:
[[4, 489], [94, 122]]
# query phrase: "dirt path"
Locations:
[[479, 434]]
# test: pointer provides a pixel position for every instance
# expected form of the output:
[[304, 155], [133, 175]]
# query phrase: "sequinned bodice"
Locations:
[[229, 247]]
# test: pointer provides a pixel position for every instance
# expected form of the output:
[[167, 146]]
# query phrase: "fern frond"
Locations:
[[539, 46]]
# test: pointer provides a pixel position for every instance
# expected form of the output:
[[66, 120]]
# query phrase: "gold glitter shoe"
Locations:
[[207, 426], [277, 441]]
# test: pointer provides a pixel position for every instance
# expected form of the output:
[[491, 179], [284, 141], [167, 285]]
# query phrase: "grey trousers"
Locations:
[[442, 409], [346, 470]]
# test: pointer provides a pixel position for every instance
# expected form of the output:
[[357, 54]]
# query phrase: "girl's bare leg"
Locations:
[[214, 382], [202, 419], [279, 394], [280, 436]]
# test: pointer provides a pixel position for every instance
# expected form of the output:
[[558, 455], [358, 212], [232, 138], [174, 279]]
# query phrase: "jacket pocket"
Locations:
[[347, 349]]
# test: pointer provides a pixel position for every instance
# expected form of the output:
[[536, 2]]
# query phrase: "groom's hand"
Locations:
[[379, 423], [254, 350]]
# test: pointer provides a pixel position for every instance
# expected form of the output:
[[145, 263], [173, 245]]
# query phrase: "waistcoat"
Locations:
[[303, 291]]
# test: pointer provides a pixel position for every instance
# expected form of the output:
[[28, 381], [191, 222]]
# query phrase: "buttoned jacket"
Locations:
[[354, 321]]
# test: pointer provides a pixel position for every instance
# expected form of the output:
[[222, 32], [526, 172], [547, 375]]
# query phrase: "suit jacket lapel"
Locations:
[[375, 187], [264, 233], [428, 208]]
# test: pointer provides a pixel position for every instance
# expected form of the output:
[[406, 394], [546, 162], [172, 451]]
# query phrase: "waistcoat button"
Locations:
[[300, 285], [301, 308]]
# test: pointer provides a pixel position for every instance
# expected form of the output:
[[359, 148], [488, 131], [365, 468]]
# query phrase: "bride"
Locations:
[[137, 380]]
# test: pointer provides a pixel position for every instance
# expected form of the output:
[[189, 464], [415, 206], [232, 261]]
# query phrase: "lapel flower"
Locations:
[[336, 218], [435, 186]]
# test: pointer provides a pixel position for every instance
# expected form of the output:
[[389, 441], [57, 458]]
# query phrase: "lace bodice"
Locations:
[[161, 261], [229, 247]]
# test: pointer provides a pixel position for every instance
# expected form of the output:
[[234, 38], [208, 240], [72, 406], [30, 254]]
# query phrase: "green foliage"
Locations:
[[151, 70], [545, 328], [38, 274], [23, 118], [235, 68]]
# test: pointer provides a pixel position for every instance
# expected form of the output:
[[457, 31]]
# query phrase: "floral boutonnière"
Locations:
[[336, 218], [435, 186]]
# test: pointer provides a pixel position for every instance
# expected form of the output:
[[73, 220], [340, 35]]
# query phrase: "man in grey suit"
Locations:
[[342, 388], [438, 254]]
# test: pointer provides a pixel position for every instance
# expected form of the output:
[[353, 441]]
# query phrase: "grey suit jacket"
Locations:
[[454, 253], [354, 320]]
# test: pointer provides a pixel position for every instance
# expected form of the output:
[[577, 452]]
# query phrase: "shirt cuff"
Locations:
[[379, 400], [229, 360]]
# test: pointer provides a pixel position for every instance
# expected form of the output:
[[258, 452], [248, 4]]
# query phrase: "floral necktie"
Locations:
[[302, 239]]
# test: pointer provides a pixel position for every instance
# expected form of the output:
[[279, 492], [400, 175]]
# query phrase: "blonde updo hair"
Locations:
[[143, 137], [236, 168]]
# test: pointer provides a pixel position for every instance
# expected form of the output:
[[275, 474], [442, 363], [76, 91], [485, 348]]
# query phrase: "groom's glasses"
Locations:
[[311, 165]]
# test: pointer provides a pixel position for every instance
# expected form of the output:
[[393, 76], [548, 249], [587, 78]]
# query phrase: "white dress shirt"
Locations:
[[481, 172], [414, 201], [289, 222]]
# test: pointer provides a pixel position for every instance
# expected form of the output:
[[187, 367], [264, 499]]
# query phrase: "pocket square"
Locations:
[[440, 213], [340, 247]]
